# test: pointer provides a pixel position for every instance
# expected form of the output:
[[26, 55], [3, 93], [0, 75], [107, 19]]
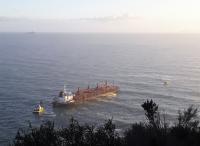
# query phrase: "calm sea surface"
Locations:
[[35, 67]]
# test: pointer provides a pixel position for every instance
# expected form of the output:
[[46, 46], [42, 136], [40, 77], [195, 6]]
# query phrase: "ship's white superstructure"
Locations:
[[64, 98]]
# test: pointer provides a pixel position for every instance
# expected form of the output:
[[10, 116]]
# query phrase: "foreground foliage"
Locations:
[[155, 132]]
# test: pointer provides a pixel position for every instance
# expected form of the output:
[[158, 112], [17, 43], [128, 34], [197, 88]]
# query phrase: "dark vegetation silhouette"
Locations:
[[154, 132]]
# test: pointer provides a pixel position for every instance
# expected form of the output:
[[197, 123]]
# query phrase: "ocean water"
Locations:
[[35, 67]]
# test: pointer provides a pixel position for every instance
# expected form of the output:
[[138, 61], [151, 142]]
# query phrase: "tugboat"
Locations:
[[63, 98], [39, 109], [101, 90]]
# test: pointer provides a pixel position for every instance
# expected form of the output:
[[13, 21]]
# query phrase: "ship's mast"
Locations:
[[97, 86], [64, 90]]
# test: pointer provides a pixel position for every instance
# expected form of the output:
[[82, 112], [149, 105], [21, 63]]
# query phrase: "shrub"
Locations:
[[154, 133]]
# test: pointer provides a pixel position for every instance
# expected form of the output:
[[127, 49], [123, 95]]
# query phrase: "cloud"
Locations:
[[5, 19], [111, 18], [99, 19], [11, 19]]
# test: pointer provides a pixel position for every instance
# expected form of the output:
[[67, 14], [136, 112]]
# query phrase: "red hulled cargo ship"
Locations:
[[101, 90]]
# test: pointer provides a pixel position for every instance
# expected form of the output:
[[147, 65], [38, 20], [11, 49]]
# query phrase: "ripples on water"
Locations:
[[35, 67]]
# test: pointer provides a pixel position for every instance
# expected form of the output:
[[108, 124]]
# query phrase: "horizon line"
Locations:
[[37, 32]]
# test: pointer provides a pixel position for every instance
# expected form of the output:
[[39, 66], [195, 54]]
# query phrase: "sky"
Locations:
[[121, 16]]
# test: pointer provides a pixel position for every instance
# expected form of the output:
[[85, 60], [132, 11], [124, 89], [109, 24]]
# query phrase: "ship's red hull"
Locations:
[[102, 90]]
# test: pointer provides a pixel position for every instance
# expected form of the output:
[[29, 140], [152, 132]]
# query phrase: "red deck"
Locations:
[[100, 90]]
